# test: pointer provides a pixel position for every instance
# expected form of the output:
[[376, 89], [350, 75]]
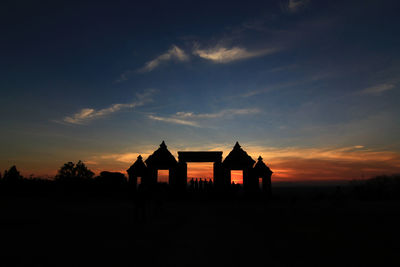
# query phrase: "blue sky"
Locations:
[[296, 81]]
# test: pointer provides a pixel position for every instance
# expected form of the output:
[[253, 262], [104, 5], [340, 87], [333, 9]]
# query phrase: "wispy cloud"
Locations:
[[269, 89], [222, 113], [314, 77], [351, 153], [174, 53], [87, 114], [294, 6], [195, 119], [221, 54], [120, 157], [124, 76], [175, 120], [378, 89]]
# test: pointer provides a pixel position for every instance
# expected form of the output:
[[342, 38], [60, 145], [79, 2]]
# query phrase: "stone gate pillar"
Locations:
[[152, 176], [250, 181], [181, 177], [218, 175]]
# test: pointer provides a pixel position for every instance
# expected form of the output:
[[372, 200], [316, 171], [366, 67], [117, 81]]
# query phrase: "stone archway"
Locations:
[[200, 156], [238, 159], [161, 159]]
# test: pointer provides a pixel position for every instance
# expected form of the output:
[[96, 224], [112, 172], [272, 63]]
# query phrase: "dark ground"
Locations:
[[299, 227]]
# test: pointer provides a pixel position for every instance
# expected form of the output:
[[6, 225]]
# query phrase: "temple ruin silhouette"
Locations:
[[237, 159]]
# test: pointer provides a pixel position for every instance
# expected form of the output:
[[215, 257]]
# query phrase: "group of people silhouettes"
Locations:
[[200, 184]]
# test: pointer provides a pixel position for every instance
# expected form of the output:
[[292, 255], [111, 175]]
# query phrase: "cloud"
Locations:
[[300, 169], [124, 76], [378, 89], [293, 6], [347, 153], [269, 89], [225, 55], [175, 53], [121, 157], [87, 114], [222, 113], [194, 119], [174, 120], [315, 77]]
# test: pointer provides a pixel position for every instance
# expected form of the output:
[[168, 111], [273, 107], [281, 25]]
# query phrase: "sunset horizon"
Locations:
[[290, 165], [311, 87]]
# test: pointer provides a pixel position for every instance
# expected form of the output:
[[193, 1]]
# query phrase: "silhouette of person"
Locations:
[[210, 185], [191, 184], [234, 186], [201, 184], [206, 185], [196, 185]]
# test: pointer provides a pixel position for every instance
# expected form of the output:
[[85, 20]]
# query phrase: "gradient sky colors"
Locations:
[[312, 86]]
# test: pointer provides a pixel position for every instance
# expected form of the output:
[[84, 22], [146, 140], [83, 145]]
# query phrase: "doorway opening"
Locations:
[[163, 176], [200, 170], [237, 176]]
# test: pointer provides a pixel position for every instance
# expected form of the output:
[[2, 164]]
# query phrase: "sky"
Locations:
[[311, 86]]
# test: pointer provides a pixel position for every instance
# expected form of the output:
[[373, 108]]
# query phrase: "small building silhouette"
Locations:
[[238, 159], [161, 159], [261, 170], [138, 169]]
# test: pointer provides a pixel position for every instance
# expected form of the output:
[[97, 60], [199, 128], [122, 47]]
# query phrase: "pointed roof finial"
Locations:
[[138, 167], [161, 156], [237, 146], [163, 145], [261, 168], [238, 157]]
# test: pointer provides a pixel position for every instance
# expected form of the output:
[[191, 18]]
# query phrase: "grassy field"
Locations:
[[298, 227]]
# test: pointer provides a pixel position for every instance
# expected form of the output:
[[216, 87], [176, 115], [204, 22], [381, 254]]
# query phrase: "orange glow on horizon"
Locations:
[[203, 170]]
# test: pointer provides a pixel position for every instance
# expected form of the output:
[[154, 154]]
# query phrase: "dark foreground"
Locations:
[[296, 228]]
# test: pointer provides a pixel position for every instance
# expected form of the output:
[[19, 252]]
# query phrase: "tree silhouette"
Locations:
[[12, 175], [70, 171], [81, 171], [66, 171]]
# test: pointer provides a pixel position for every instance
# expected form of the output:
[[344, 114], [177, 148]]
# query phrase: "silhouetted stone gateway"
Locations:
[[237, 159], [202, 156]]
